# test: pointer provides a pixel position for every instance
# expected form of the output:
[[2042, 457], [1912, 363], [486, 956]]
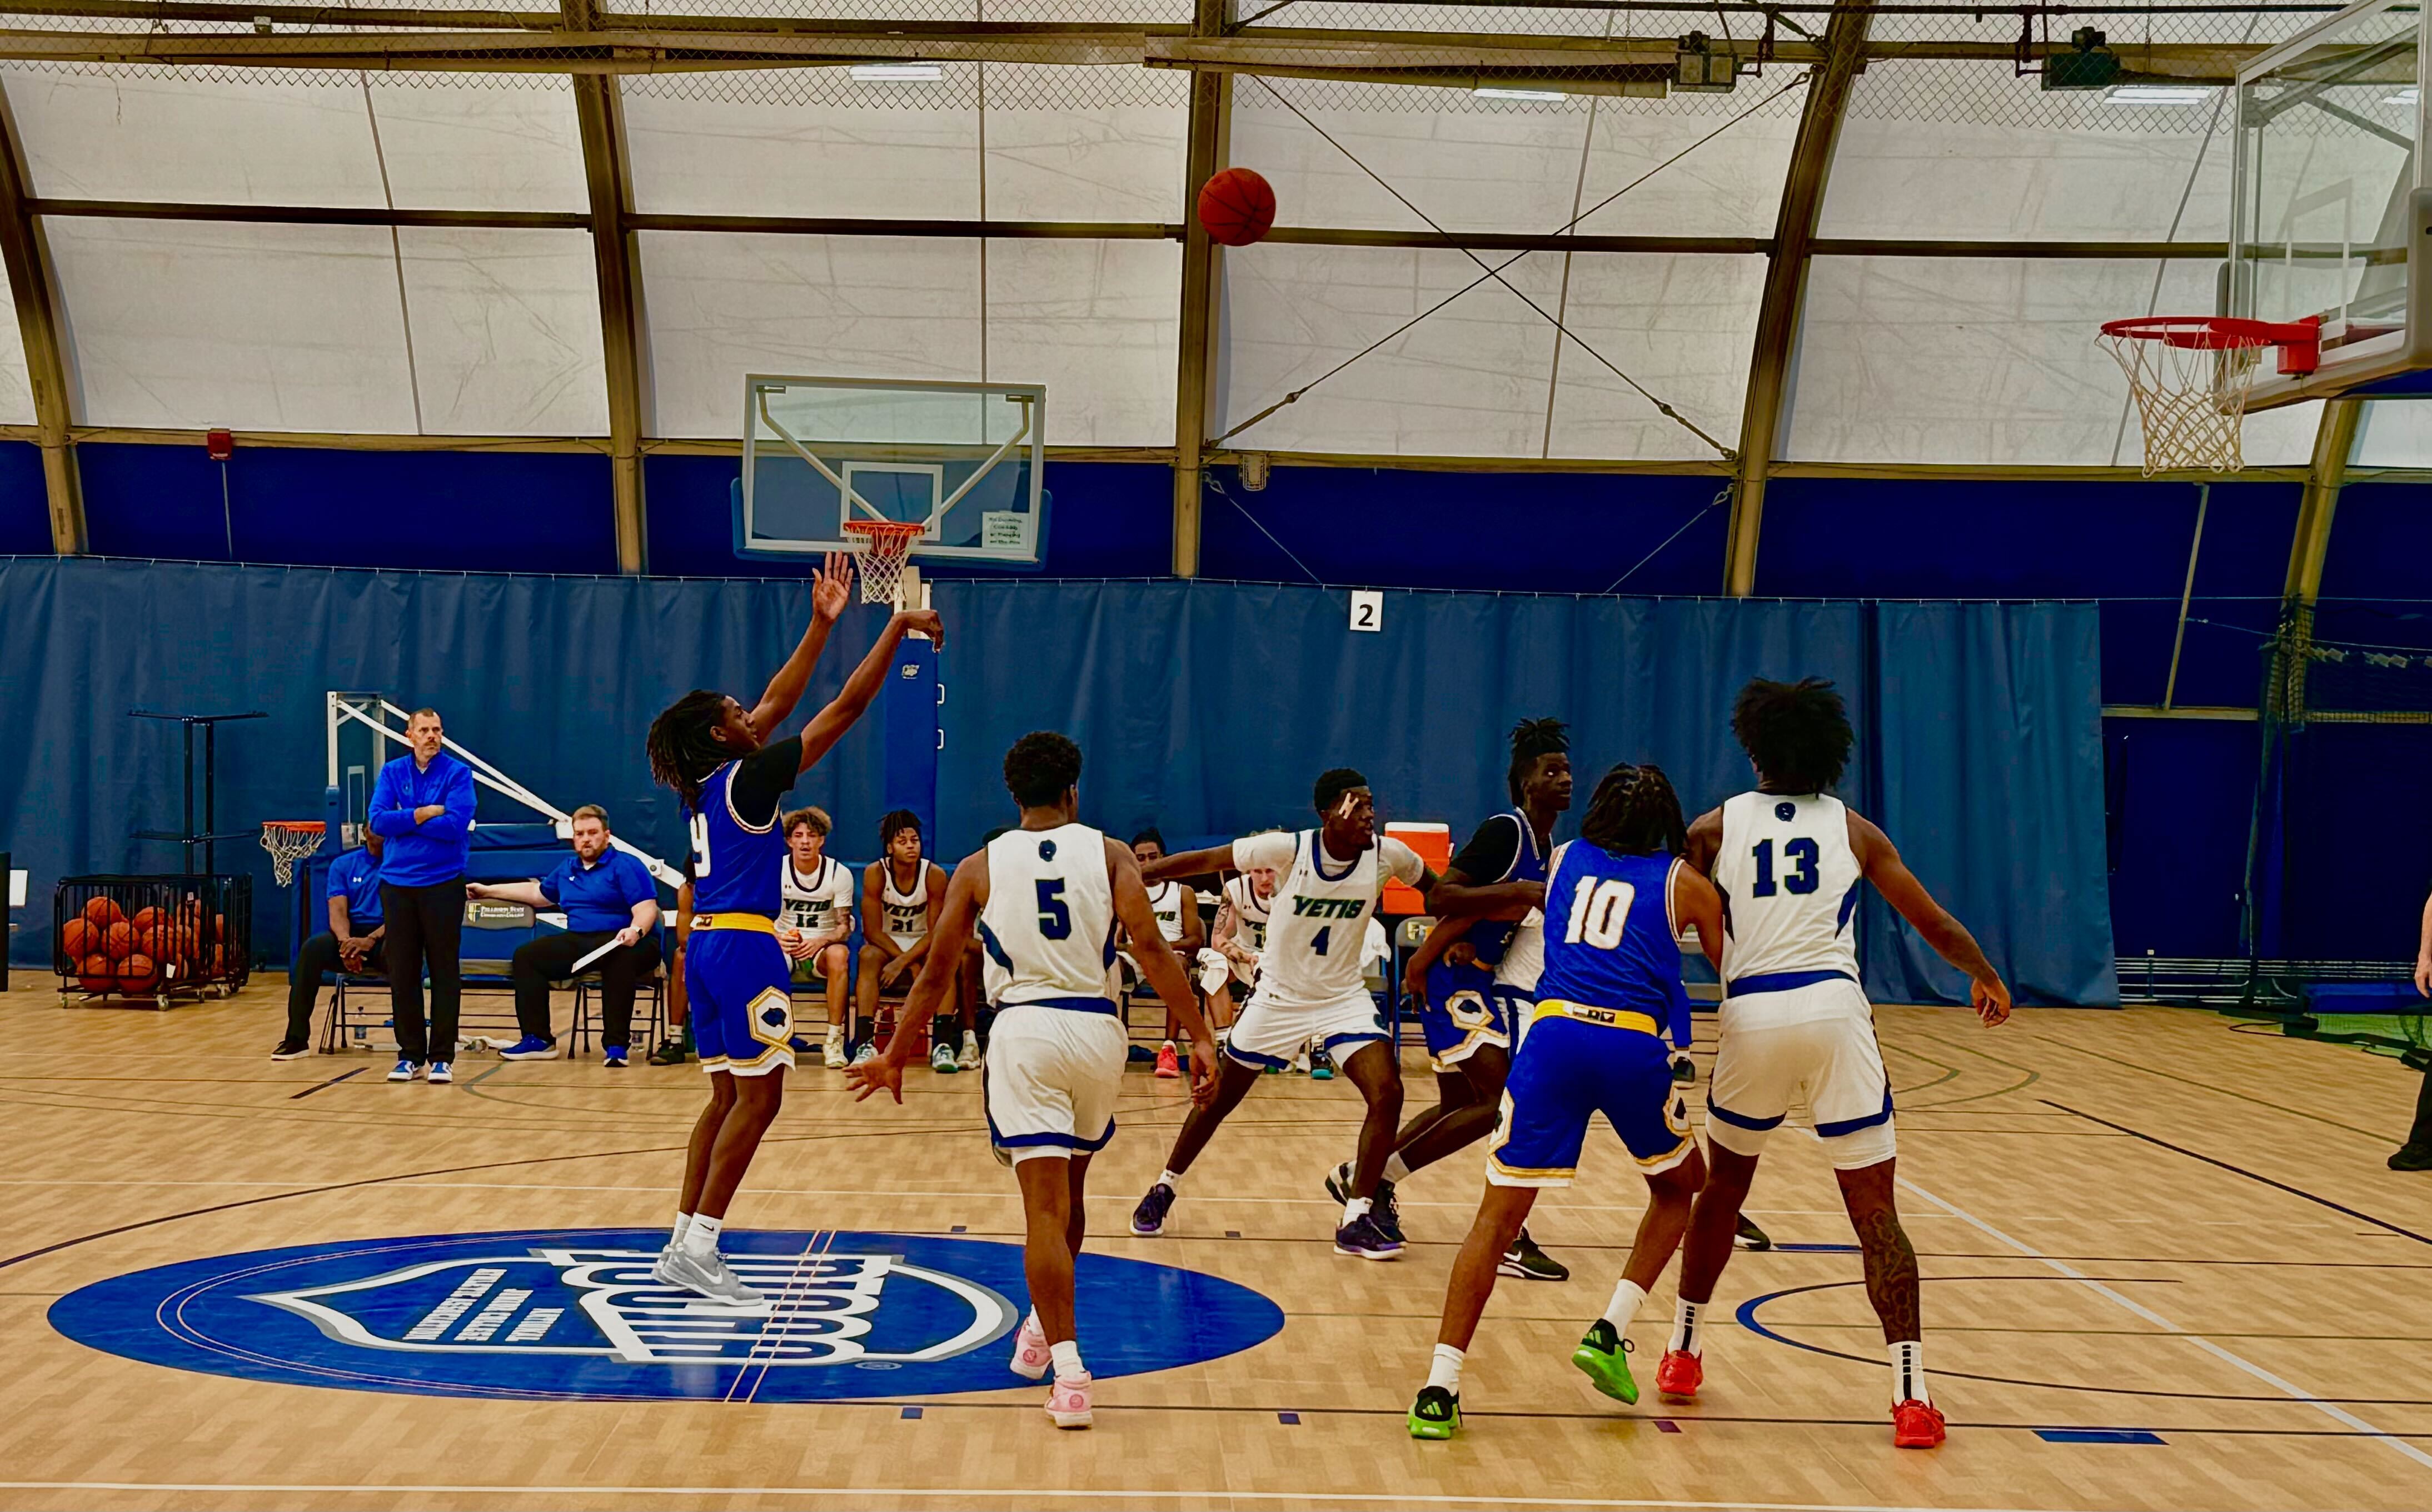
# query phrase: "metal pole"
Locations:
[[188, 727], [2204, 501], [210, 804]]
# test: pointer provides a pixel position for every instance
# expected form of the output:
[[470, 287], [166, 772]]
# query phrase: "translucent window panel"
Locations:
[[721, 305], [156, 134], [506, 332], [1986, 361], [1958, 150], [16, 392], [1085, 143], [1097, 322], [481, 142], [263, 327], [810, 142], [2394, 433], [1681, 325], [1469, 380], [1471, 163]]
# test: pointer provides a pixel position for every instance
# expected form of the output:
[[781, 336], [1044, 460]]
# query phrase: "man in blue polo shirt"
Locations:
[[352, 939], [422, 805], [607, 896]]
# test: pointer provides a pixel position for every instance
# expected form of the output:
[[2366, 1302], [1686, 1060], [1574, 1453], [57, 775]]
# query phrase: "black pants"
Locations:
[[320, 954], [2421, 1133], [551, 958], [426, 928]]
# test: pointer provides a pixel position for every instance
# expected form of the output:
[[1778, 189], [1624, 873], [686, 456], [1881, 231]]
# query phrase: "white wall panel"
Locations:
[[1470, 380], [147, 133], [1985, 361], [1097, 322], [1120, 158], [719, 306], [266, 327], [506, 332], [1681, 325], [16, 390], [511, 146], [693, 155], [2394, 433]]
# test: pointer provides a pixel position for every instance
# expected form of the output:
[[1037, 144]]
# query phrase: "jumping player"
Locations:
[[1178, 929], [1047, 898], [901, 895], [1308, 987], [1593, 1043], [817, 894], [1795, 1026], [716, 756]]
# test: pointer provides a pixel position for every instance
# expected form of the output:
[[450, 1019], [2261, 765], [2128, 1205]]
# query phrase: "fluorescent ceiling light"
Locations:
[[1490, 92], [2157, 94], [897, 73], [2406, 96]]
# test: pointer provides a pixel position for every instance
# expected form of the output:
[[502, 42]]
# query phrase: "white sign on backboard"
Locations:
[[1367, 609], [17, 889]]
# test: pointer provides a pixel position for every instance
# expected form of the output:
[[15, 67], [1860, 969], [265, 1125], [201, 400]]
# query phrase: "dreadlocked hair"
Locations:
[[1530, 739], [684, 744], [1798, 734], [1635, 812]]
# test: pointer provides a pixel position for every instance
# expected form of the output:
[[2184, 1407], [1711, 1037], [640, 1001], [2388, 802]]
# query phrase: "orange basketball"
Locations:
[[76, 938], [137, 974], [103, 912], [219, 925], [99, 974], [118, 941], [145, 918], [1237, 207]]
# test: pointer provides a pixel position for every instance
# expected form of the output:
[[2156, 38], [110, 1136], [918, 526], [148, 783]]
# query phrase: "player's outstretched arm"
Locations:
[[1162, 971], [829, 591], [1453, 896], [1695, 902], [965, 896], [828, 726], [1880, 863], [1705, 842], [1186, 864]]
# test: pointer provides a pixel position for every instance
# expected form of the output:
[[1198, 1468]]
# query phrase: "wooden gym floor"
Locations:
[[2140, 1223]]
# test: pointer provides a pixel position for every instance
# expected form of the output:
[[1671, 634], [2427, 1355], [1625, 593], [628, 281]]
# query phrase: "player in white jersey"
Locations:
[[1796, 1025], [1178, 929], [1243, 909], [901, 893], [1311, 986], [1047, 898], [815, 899]]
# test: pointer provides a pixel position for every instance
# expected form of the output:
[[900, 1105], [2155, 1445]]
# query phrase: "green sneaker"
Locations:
[[1436, 1414], [1604, 1355]]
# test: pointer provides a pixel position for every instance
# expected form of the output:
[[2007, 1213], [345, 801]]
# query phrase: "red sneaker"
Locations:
[[1917, 1425], [1169, 1065], [1679, 1375]]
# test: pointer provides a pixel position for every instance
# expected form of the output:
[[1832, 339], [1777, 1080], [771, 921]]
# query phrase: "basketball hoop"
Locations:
[[290, 841], [882, 560], [2191, 374]]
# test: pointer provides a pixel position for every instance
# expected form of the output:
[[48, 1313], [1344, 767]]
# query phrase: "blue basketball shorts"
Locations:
[[735, 979], [1576, 1061], [1464, 1010]]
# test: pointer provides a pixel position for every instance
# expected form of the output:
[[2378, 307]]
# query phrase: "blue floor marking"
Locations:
[[2097, 1436]]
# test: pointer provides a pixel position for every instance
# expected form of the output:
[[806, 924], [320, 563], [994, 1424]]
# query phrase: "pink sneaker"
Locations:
[[1030, 1351], [1068, 1400]]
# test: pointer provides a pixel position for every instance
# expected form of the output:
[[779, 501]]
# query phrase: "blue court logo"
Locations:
[[573, 1313]]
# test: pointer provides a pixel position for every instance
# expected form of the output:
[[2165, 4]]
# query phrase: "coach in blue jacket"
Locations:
[[423, 807]]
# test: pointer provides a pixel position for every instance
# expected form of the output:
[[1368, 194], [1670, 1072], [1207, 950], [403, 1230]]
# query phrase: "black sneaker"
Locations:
[[1366, 1239], [1529, 1263], [670, 1052], [290, 1049], [1684, 1071], [1148, 1220], [1436, 1414], [1753, 1237], [2416, 1154], [1388, 1211]]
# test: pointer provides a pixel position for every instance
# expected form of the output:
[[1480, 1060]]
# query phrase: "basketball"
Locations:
[[137, 973], [1237, 207], [219, 927], [118, 941], [76, 938], [102, 912], [145, 918], [98, 974]]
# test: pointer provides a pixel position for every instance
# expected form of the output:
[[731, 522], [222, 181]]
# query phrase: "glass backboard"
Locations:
[[966, 460]]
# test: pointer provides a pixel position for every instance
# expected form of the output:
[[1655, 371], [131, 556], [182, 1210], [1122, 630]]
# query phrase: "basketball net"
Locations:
[[290, 841], [889, 547], [2191, 376]]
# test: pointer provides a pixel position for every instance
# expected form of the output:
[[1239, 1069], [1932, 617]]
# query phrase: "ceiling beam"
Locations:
[[598, 108], [1208, 143], [35, 292], [1785, 282]]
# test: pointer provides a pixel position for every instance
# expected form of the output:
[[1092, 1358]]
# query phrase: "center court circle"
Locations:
[[560, 1314]]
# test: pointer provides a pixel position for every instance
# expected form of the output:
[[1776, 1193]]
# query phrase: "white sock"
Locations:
[[1626, 1295], [1068, 1359], [1169, 1044], [1357, 1208], [675, 1234], [1032, 1324], [1396, 1171], [700, 1235], [1445, 1369], [1170, 1178], [1685, 1325], [1908, 1372]]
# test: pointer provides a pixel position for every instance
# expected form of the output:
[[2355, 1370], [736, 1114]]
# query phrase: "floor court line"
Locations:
[[1031, 1495], [2287, 1388]]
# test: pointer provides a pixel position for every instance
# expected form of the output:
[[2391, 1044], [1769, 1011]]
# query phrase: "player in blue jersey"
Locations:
[[1593, 1044], [718, 757]]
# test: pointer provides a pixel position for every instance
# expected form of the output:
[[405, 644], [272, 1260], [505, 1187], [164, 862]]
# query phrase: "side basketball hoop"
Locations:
[[2191, 374], [290, 841], [886, 547]]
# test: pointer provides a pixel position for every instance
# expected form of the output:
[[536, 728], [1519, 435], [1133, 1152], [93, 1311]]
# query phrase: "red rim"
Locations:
[[885, 530], [296, 825], [2215, 333]]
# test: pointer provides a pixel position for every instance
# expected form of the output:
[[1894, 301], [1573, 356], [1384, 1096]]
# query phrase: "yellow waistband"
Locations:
[[756, 923], [1604, 1017]]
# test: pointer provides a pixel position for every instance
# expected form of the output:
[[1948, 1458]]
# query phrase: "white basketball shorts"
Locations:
[[1266, 1037], [1814, 1044], [1053, 1073]]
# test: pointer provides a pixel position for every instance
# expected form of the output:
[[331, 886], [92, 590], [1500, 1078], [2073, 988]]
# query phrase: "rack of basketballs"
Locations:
[[159, 938]]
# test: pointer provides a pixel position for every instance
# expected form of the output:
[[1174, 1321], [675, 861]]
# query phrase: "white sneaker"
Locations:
[[710, 1278], [942, 1061], [969, 1059], [831, 1053], [865, 1055], [442, 1073]]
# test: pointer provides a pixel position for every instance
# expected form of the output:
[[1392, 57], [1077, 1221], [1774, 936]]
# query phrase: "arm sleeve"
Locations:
[[340, 880], [551, 884], [638, 888], [388, 821], [1399, 862], [1275, 850], [1491, 851], [763, 778]]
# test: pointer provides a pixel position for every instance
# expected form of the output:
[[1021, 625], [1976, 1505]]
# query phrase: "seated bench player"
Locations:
[[351, 942], [607, 894]]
